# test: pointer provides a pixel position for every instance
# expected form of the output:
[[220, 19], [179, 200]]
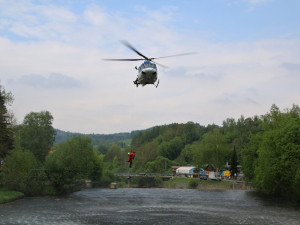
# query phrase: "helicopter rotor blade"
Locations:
[[188, 53], [127, 44], [161, 65], [123, 59]]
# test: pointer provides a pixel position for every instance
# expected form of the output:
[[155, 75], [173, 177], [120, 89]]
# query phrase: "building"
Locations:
[[185, 171]]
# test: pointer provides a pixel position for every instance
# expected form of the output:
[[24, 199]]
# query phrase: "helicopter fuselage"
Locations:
[[147, 73]]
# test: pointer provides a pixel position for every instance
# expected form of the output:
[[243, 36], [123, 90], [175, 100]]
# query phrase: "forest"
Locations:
[[266, 146]]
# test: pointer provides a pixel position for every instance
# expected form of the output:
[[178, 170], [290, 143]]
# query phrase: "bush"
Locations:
[[73, 160], [22, 172], [193, 183], [158, 180]]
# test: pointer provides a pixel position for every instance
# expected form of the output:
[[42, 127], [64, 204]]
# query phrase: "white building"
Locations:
[[185, 170]]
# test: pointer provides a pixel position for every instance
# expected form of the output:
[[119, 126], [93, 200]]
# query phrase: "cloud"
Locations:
[[89, 95], [293, 67], [258, 1], [53, 81]]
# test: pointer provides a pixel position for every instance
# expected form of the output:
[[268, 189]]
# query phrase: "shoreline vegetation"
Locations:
[[177, 183], [184, 183], [9, 196], [263, 147]]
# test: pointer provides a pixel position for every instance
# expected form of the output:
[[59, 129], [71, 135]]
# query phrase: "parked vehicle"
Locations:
[[214, 176], [203, 177]]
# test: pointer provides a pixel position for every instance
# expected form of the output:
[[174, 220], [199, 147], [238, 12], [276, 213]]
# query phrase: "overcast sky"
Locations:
[[50, 59]]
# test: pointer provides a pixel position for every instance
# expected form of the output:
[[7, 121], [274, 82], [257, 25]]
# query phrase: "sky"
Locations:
[[248, 58]]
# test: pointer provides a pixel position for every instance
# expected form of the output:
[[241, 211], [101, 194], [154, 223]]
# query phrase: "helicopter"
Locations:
[[147, 71]]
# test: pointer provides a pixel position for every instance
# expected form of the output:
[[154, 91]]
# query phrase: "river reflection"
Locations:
[[150, 206]]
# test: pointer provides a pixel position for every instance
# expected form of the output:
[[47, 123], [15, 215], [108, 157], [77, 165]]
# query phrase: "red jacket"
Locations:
[[131, 155]]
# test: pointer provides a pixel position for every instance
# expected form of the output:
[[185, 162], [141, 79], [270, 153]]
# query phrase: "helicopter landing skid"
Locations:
[[136, 82], [156, 85]]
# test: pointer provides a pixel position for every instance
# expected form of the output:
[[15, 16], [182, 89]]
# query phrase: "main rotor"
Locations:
[[127, 44]]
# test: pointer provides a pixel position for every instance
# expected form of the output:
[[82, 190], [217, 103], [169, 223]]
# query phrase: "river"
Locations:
[[150, 206]]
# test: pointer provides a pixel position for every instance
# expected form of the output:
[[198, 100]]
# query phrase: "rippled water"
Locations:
[[150, 206]]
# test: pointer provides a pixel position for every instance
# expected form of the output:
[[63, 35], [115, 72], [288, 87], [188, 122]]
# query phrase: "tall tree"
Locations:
[[212, 149], [6, 131], [73, 160], [233, 163], [37, 134]]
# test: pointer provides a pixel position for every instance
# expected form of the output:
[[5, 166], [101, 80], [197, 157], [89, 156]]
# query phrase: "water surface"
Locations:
[[150, 206]]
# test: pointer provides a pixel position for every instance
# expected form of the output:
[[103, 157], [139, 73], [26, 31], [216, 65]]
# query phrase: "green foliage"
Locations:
[[186, 155], [115, 162], [271, 158], [158, 180], [7, 196], [120, 139], [212, 149], [179, 180], [159, 165], [233, 163], [6, 131], [115, 151], [73, 160], [37, 134], [22, 172], [193, 183], [279, 157], [171, 149], [102, 149], [250, 154], [145, 154], [144, 182]]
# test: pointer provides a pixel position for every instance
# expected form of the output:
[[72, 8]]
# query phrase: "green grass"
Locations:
[[179, 180], [8, 196], [221, 183], [187, 180]]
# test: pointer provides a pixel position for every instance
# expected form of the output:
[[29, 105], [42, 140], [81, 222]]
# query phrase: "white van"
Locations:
[[214, 176]]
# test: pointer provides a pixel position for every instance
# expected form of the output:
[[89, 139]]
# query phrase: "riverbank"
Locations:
[[8, 196], [150, 206], [184, 183]]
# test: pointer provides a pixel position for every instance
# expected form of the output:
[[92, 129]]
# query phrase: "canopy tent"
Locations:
[[185, 170]]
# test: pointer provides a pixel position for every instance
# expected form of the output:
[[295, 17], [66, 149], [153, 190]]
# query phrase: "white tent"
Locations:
[[185, 170]]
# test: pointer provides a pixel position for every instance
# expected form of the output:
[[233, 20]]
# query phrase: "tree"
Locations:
[[6, 130], [22, 172], [212, 149], [190, 133], [250, 154], [73, 160], [274, 154], [233, 163], [115, 151], [171, 149], [37, 134], [159, 165], [145, 153]]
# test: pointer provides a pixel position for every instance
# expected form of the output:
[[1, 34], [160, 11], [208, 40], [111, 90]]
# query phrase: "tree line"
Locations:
[[33, 165], [97, 139], [266, 146]]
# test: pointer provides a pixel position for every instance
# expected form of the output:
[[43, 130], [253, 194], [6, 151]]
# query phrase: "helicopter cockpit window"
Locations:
[[146, 64]]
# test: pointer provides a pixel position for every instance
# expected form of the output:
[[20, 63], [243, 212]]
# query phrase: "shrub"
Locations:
[[22, 172], [193, 183]]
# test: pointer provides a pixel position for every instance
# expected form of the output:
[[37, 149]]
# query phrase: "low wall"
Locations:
[[219, 186]]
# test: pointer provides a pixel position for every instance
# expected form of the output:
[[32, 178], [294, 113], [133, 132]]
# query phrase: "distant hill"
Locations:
[[121, 139]]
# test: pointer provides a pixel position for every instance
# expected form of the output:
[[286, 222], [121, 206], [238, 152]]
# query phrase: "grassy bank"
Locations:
[[8, 196], [187, 180], [183, 183]]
